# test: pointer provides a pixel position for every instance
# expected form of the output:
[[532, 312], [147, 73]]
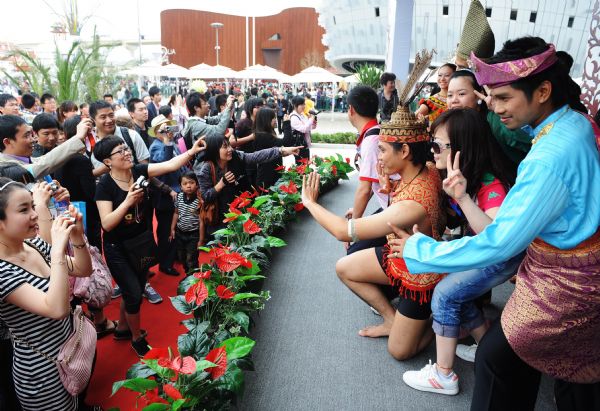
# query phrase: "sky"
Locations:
[[29, 21]]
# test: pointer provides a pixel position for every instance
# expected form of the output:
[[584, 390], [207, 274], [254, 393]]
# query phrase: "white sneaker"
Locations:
[[428, 379], [466, 352]]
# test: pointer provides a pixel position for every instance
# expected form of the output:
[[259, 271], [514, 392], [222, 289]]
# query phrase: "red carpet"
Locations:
[[114, 358]]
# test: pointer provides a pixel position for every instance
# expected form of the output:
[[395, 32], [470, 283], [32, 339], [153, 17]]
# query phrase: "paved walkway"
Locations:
[[308, 354]]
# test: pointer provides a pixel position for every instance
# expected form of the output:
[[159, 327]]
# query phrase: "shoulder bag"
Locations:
[[75, 358], [95, 290]]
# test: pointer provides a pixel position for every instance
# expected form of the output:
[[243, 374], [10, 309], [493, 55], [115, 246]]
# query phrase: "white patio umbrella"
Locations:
[[353, 79], [155, 70], [260, 72], [206, 71], [315, 74]]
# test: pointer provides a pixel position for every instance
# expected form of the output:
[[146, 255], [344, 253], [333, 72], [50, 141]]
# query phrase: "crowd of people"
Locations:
[[502, 152]]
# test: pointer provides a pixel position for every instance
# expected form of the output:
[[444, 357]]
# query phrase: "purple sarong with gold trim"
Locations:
[[552, 320]]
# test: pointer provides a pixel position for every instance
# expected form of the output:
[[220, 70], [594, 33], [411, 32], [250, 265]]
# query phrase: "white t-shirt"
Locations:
[[368, 167], [141, 151]]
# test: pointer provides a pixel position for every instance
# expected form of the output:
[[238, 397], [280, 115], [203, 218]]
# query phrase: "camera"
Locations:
[[172, 129], [141, 182], [314, 113]]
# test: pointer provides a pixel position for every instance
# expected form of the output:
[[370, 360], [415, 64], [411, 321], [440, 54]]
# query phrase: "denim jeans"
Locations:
[[452, 302]]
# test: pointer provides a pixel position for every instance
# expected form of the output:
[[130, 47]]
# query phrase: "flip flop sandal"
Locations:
[[103, 329], [126, 334]]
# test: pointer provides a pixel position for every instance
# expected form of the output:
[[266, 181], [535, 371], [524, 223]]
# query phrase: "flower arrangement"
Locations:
[[206, 370]]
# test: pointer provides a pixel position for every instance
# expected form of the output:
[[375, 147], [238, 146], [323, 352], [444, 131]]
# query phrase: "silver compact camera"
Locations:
[[141, 182], [67, 215], [172, 129]]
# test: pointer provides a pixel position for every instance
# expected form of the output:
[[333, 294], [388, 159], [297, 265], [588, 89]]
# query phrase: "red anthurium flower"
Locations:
[[253, 210], [251, 227], [197, 293], [291, 188], [334, 170], [234, 217], [224, 292], [229, 261], [298, 207], [264, 190], [216, 252], [246, 263], [172, 392], [244, 202], [301, 169], [203, 274], [304, 160], [280, 168], [348, 160], [185, 365], [245, 194], [156, 353], [152, 397], [217, 356]]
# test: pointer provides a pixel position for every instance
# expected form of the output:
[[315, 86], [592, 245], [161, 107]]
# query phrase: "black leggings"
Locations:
[[505, 382], [129, 281]]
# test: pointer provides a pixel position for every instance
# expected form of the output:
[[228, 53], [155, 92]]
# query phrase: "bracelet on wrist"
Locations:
[[79, 246]]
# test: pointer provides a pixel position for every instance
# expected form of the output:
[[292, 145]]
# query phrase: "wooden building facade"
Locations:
[[282, 40]]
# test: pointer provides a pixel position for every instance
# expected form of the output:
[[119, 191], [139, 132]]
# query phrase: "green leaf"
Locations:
[[192, 324], [177, 404], [233, 380], [205, 249], [161, 371], [201, 365], [242, 319], [238, 347], [135, 384], [244, 296], [186, 283], [250, 277], [139, 370], [195, 343], [260, 201], [224, 232], [157, 406], [180, 304], [275, 242]]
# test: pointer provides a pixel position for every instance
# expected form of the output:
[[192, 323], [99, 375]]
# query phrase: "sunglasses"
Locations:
[[438, 146]]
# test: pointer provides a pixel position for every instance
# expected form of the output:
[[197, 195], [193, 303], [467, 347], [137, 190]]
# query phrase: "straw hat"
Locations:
[[157, 122]]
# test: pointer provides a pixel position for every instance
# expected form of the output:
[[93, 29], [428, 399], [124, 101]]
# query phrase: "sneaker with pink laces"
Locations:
[[429, 379]]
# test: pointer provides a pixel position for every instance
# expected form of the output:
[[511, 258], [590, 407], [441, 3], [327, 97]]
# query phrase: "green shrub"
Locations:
[[347, 137]]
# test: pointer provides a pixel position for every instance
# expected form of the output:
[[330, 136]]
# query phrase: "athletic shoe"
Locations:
[[428, 379], [466, 352], [116, 292], [140, 346], [151, 294]]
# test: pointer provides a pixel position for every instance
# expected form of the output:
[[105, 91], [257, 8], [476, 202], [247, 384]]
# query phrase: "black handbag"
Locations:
[[141, 251]]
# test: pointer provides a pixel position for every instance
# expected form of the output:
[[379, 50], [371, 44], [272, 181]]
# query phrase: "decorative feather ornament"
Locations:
[[422, 61]]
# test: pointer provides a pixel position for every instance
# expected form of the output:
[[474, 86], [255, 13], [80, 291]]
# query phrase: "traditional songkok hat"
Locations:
[[477, 35], [404, 127], [501, 74]]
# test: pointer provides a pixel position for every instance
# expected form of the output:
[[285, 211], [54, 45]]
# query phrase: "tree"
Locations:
[[368, 75]]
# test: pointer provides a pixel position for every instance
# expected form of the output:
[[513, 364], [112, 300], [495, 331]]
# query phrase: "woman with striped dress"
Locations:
[[34, 294]]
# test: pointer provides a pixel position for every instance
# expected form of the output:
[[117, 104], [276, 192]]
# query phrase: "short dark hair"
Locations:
[[449, 65], [214, 142], [153, 91], [364, 101], [483, 108], [298, 101], [220, 100], [189, 175], [165, 111], [44, 120], [131, 104], [421, 152], [5, 98], [8, 128], [16, 172], [70, 126], [27, 100], [254, 91], [104, 147], [565, 59], [193, 100], [46, 96], [107, 95], [556, 74], [385, 77], [5, 194], [98, 105]]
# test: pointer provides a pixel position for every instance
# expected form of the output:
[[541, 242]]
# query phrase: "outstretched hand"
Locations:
[[287, 151], [455, 184], [310, 188], [483, 97], [397, 244]]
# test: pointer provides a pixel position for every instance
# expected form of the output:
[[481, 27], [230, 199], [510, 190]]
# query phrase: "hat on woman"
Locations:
[[157, 122]]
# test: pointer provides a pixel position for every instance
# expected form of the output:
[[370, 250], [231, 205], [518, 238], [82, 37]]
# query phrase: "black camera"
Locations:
[[172, 129], [314, 113], [141, 182]]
